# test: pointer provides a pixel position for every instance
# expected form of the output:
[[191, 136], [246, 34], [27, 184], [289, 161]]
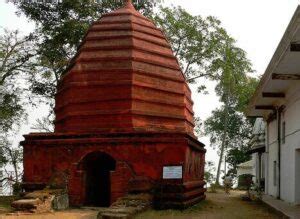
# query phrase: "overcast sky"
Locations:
[[257, 25]]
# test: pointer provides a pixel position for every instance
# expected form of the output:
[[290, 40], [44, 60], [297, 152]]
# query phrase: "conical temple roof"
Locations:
[[124, 78]]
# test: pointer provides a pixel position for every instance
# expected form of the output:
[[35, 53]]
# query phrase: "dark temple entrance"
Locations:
[[97, 167]]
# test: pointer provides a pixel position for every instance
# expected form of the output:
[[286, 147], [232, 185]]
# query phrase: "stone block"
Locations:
[[60, 202], [26, 204]]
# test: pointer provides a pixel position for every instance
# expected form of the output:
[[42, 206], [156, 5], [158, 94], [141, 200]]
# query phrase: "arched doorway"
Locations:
[[97, 167]]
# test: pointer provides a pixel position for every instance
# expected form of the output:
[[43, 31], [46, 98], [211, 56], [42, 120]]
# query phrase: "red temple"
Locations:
[[123, 113]]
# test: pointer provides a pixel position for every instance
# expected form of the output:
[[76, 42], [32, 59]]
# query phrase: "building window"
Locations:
[[275, 173], [283, 133]]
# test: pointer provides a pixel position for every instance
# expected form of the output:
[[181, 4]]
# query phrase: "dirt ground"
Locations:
[[69, 214], [216, 206]]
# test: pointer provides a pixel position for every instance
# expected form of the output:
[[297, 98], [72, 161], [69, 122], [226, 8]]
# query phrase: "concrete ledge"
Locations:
[[285, 209]]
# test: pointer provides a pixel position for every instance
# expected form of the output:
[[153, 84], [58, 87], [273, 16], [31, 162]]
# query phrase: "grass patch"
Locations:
[[199, 207], [5, 202]]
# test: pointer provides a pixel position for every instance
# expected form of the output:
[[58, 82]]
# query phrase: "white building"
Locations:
[[258, 149], [245, 168], [277, 101]]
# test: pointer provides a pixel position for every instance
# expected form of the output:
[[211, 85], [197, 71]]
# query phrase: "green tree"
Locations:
[[238, 133], [16, 55], [11, 156], [195, 41], [208, 174], [236, 156], [234, 88]]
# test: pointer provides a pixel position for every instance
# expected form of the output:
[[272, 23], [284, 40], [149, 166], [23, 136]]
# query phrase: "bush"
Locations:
[[17, 189], [245, 181], [213, 188]]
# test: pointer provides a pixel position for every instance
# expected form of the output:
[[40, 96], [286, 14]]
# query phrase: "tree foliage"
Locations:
[[236, 156], [16, 54], [16, 61], [195, 41], [209, 176], [239, 132], [239, 128], [230, 138], [228, 128], [10, 156]]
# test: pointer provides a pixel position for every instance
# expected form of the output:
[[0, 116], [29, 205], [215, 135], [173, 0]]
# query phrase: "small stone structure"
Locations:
[[42, 201], [123, 113]]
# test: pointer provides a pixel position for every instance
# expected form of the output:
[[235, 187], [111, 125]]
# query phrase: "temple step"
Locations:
[[127, 207], [26, 204]]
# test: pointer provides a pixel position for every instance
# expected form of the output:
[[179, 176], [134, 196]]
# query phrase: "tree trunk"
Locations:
[[16, 172], [223, 142], [14, 160]]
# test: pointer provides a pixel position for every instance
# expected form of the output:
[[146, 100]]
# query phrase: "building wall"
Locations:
[[289, 169], [135, 158], [254, 167], [290, 172], [272, 156]]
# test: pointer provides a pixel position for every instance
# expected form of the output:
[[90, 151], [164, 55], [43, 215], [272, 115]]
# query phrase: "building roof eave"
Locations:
[[280, 53]]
